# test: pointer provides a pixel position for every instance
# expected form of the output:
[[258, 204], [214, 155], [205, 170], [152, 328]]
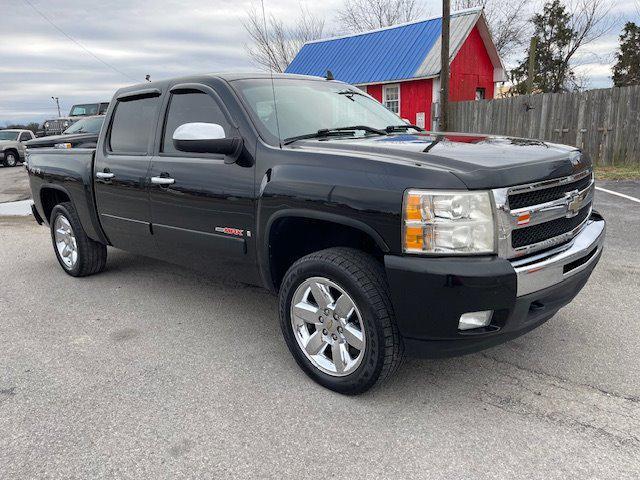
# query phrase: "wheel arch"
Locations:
[[51, 195], [284, 241]]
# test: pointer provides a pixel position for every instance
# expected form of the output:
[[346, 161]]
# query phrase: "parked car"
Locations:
[[56, 126], [12, 148], [381, 240], [82, 134]]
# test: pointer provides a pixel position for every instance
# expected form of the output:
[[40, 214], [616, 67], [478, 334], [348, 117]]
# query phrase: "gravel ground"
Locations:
[[151, 371]]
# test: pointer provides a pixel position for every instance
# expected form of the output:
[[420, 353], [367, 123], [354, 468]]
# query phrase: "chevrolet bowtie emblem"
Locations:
[[574, 203]]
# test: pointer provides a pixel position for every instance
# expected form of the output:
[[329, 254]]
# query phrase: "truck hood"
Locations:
[[479, 161]]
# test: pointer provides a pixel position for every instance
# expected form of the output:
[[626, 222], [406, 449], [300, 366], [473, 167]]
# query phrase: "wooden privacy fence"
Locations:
[[603, 123]]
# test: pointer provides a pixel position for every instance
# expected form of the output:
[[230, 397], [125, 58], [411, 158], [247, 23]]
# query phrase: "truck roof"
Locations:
[[227, 76]]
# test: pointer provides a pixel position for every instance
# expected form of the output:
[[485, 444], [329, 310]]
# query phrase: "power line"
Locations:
[[28, 2]]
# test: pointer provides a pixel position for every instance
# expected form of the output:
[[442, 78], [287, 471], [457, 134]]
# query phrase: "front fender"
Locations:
[[363, 201]]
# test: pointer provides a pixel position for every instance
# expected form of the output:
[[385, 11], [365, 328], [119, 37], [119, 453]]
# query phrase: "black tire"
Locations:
[[364, 279], [11, 158], [92, 255]]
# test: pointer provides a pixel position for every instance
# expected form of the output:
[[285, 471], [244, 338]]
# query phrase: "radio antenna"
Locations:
[[273, 87]]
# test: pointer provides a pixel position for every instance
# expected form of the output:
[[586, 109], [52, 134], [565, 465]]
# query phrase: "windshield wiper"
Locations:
[[350, 93], [405, 127], [326, 132], [438, 139]]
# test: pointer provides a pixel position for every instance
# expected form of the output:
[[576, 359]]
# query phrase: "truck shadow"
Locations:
[[235, 328], [503, 380]]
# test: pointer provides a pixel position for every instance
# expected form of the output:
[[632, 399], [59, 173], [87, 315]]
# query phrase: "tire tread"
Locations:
[[92, 255], [370, 275]]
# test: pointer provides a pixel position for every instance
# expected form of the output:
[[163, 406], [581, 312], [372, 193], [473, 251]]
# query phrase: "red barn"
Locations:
[[400, 65]]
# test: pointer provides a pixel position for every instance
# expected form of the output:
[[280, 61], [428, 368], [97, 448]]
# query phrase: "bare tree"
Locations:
[[274, 43], [363, 15], [590, 20], [507, 22], [563, 31]]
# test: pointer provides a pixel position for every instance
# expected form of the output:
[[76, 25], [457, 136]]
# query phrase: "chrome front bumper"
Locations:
[[549, 268]]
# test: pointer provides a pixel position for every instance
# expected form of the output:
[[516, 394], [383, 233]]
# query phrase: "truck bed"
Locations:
[[70, 171]]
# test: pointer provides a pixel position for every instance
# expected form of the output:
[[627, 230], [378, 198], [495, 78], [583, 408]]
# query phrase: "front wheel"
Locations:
[[337, 319], [77, 254]]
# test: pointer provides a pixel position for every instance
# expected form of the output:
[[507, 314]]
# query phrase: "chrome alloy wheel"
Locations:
[[328, 326], [65, 242]]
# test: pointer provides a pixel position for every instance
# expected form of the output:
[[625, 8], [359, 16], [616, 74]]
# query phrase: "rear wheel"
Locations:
[[337, 319], [10, 159], [77, 254]]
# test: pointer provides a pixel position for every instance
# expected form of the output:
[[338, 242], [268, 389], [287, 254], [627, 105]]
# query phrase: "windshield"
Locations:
[[306, 106], [8, 135], [84, 110], [86, 125]]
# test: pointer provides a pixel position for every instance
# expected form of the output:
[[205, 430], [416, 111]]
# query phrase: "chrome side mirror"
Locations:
[[199, 137]]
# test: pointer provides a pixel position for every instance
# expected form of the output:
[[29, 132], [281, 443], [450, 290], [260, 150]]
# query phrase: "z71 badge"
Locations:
[[230, 231]]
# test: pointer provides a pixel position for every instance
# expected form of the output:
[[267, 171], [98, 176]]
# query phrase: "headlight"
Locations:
[[66, 124], [448, 222], [46, 124]]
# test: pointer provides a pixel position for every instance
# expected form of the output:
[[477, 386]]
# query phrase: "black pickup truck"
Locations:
[[381, 240]]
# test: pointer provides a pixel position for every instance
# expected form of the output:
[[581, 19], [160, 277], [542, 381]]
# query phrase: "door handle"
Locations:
[[104, 175], [162, 180]]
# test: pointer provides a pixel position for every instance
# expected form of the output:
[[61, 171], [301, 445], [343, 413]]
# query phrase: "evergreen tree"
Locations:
[[555, 39], [626, 71]]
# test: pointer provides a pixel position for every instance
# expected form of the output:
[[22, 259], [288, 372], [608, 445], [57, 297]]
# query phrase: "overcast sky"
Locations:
[[163, 38]]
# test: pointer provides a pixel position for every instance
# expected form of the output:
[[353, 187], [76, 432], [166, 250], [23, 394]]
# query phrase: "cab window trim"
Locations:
[[185, 89], [132, 97]]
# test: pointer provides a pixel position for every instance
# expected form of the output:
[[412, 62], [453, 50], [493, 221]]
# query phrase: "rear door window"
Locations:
[[133, 124]]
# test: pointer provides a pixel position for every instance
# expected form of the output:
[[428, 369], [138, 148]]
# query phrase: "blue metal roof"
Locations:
[[388, 54]]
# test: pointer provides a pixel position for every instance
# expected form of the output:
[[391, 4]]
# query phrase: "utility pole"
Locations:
[[531, 70], [444, 68], [57, 100]]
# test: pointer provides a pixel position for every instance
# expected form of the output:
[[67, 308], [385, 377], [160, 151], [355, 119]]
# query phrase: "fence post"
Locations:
[[580, 125]]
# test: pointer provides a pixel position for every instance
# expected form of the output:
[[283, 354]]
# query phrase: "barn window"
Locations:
[[391, 98], [480, 93]]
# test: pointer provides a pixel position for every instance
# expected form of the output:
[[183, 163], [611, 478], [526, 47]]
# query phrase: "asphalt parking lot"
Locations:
[[14, 184], [152, 371]]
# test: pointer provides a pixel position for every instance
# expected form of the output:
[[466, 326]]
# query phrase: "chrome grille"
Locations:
[[544, 195], [538, 233], [542, 215], [56, 126]]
